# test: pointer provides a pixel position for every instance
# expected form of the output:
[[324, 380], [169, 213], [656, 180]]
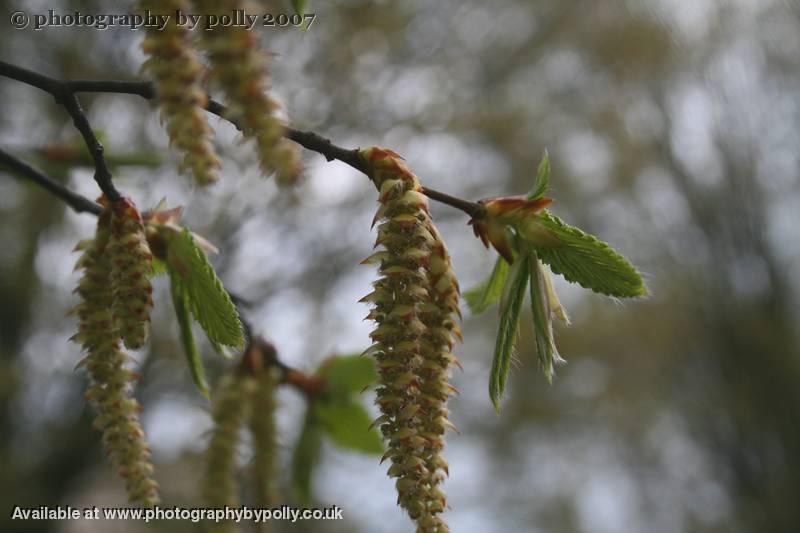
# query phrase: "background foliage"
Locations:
[[673, 133]]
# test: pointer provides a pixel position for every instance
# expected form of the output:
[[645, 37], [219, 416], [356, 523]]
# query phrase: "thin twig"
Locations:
[[260, 353], [146, 89], [308, 384], [64, 93], [79, 203], [102, 175]]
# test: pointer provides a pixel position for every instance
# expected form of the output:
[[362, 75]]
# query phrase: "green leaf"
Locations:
[[510, 307], [305, 458], [484, 294], [543, 319], [348, 374], [187, 339], [542, 178], [347, 423], [207, 299], [159, 267], [581, 258]]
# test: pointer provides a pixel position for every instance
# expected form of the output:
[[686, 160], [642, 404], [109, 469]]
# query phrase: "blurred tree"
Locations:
[[673, 132]]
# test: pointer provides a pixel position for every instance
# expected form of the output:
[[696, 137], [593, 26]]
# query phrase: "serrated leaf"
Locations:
[[347, 423], [543, 319], [348, 374], [581, 258], [207, 299], [510, 307], [542, 180], [305, 458], [487, 292], [187, 340], [223, 350]]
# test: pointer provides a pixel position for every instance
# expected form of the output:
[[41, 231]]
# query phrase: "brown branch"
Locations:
[[257, 354], [473, 209], [332, 152], [64, 93], [77, 202], [260, 354]]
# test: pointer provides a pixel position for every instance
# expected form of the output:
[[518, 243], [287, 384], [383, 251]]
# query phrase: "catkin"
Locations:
[[176, 69], [230, 411], [414, 303], [439, 315], [262, 430], [131, 267], [110, 389], [238, 65]]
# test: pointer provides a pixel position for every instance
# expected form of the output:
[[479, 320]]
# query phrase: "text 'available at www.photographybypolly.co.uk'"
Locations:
[[193, 514]]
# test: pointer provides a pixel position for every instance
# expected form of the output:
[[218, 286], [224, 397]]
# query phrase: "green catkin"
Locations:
[[413, 306], [239, 66], [109, 392], [262, 430], [230, 411], [177, 71], [131, 267], [440, 317]]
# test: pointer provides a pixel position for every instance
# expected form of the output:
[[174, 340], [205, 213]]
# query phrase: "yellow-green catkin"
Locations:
[[238, 65], [174, 65], [262, 430], [110, 389], [131, 267], [413, 305], [440, 316], [231, 406]]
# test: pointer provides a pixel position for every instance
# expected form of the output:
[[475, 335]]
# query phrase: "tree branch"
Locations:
[[64, 93], [258, 353], [146, 89], [79, 203]]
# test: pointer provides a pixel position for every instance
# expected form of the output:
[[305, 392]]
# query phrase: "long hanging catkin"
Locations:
[[414, 306], [230, 410], [439, 315], [262, 431], [238, 65], [131, 267], [110, 389], [176, 68]]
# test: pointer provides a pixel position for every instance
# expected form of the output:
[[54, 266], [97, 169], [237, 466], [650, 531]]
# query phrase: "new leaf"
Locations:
[[542, 179], [187, 339], [347, 423], [207, 299], [581, 258], [543, 312], [305, 458], [346, 375], [484, 294], [510, 307]]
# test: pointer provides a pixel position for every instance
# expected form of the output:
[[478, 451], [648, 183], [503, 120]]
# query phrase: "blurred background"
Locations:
[[674, 133]]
